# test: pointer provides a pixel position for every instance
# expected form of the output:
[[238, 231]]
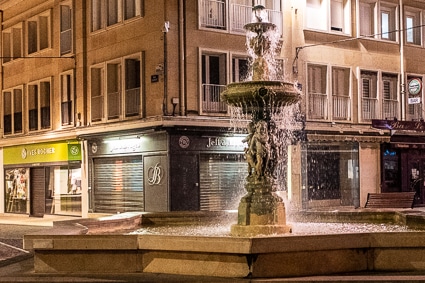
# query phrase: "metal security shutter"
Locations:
[[118, 184], [222, 179]]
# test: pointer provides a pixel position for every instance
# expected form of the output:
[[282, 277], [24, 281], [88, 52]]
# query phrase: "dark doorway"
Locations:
[[38, 191], [415, 175], [184, 183]]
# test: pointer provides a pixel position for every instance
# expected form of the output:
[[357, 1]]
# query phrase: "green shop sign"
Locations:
[[42, 153]]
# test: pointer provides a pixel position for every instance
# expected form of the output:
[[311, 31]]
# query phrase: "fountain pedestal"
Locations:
[[261, 211]]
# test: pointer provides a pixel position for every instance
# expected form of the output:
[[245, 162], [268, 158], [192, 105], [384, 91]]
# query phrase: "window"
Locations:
[[379, 102], [66, 29], [39, 105], [388, 22], [113, 84], [390, 97], [12, 43], [12, 111], [328, 15], [240, 69], [38, 33], [116, 90], [133, 8], [132, 87], [412, 27], [110, 12], [213, 82], [369, 97], [317, 94], [213, 14], [367, 18], [233, 15], [97, 95], [377, 19], [341, 101], [67, 91]]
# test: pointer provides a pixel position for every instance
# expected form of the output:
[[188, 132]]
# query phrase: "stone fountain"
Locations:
[[258, 247], [261, 211]]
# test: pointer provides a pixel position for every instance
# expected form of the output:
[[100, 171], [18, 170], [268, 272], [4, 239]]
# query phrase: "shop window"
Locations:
[[317, 94], [331, 176], [63, 194], [341, 100], [12, 111], [412, 27], [39, 106], [66, 29], [12, 44], [213, 82], [17, 190], [67, 117], [369, 99], [38, 30]]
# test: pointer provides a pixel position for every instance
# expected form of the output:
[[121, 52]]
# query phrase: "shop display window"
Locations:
[[17, 190]]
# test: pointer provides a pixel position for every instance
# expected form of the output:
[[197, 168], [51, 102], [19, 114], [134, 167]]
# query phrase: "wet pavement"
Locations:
[[17, 265]]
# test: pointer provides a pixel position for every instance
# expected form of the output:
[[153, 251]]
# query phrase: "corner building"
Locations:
[[114, 106]]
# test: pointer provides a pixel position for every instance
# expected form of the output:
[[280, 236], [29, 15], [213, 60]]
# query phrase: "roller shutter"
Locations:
[[118, 184], [222, 179]]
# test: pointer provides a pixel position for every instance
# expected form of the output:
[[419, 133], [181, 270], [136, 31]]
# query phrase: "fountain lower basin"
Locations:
[[224, 256]]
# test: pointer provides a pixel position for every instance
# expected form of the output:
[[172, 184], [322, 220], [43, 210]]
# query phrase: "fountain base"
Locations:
[[237, 230], [260, 212]]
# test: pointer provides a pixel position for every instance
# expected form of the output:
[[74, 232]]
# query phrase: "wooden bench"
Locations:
[[390, 200]]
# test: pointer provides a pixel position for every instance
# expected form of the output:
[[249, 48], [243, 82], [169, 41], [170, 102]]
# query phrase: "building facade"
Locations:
[[114, 106]]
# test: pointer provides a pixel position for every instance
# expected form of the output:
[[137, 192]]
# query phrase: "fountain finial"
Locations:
[[259, 14]]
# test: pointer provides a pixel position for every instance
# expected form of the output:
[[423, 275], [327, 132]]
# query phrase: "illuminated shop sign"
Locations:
[[42, 153]]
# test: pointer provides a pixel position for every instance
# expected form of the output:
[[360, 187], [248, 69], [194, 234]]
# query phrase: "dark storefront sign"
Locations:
[[395, 125]]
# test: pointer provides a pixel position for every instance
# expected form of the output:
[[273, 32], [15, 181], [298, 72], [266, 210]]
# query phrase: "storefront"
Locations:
[[403, 158], [43, 178], [330, 175], [128, 173], [208, 171]]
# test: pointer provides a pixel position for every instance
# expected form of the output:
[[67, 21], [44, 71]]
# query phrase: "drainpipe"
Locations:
[[2, 195], [402, 75], [165, 31], [182, 56]]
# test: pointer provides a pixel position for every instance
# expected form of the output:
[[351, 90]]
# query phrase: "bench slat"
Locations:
[[390, 200]]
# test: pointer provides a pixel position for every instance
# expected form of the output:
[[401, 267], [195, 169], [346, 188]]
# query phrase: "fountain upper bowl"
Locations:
[[260, 94]]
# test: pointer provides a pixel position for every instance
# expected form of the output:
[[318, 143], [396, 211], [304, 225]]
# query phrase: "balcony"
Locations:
[[211, 102], [318, 106], [369, 109], [341, 107], [213, 14], [390, 109]]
